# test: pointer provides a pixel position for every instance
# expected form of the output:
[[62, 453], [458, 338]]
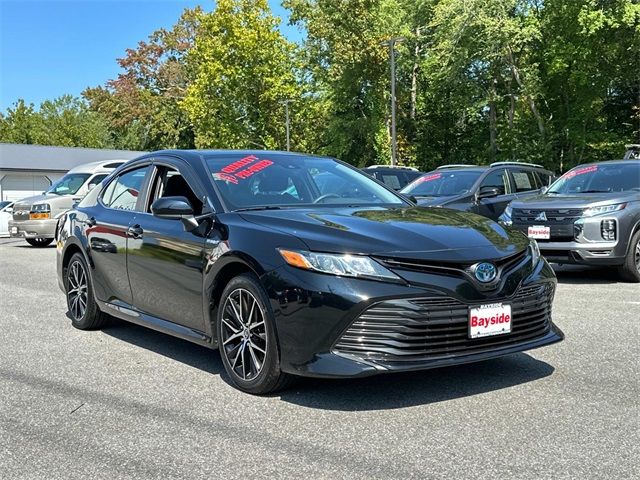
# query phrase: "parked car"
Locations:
[[395, 176], [633, 151], [6, 209], [216, 248], [590, 215], [479, 189], [35, 218]]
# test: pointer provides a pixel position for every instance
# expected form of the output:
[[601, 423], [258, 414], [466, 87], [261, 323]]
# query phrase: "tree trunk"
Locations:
[[493, 121], [532, 104], [414, 76]]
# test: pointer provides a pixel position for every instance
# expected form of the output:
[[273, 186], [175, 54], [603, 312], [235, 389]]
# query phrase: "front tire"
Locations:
[[83, 309], [247, 339], [630, 270], [39, 242]]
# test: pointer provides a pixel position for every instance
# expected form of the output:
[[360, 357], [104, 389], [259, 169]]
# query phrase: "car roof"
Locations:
[[102, 165], [609, 162]]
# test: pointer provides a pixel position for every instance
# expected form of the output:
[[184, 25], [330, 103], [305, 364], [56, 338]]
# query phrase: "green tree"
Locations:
[[64, 121], [243, 70]]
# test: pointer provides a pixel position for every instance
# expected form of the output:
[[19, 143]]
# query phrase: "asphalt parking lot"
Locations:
[[127, 402]]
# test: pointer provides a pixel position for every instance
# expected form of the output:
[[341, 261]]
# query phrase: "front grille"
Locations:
[[421, 329], [554, 216], [448, 268], [21, 212], [560, 221]]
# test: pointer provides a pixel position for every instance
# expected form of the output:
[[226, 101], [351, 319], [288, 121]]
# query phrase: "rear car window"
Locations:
[[524, 180]]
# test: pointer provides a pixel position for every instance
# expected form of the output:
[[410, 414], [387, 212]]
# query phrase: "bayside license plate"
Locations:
[[488, 320], [539, 232]]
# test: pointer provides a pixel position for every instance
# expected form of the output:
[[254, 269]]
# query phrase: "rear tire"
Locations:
[[39, 242], [247, 339], [83, 309], [630, 270]]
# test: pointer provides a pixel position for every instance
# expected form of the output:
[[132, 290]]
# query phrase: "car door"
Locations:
[[493, 206], [106, 230], [165, 262]]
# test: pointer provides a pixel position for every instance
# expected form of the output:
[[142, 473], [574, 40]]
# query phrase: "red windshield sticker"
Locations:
[[237, 165], [580, 171], [232, 173], [428, 178]]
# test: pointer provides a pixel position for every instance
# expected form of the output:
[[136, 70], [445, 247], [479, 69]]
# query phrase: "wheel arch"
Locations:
[[226, 268]]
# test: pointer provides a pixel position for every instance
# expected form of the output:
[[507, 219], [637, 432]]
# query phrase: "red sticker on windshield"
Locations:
[[232, 173], [580, 171], [428, 178]]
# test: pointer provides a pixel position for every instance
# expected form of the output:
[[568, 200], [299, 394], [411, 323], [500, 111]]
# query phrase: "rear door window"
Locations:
[[524, 180]]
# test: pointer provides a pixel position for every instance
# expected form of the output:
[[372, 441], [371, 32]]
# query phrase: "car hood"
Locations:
[[414, 232], [37, 199], [583, 200]]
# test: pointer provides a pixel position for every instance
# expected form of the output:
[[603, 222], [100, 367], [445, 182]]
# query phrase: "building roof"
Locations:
[[57, 159]]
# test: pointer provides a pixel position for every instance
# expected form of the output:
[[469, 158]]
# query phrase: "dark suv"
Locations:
[[478, 189], [590, 215], [248, 252]]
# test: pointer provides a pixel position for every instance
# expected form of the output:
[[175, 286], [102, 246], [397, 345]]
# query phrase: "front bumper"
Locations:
[[33, 228], [594, 253], [316, 316]]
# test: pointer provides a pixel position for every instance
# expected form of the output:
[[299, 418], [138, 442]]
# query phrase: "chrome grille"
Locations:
[[559, 221], [410, 330]]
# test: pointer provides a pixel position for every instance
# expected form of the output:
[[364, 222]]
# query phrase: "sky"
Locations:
[[52, 47]]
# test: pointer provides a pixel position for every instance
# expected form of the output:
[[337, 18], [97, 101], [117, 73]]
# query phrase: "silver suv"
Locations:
[[35, 218], [590, 215]]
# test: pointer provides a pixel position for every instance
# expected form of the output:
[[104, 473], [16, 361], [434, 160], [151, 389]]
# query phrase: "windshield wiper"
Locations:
[[258, 207], [595, 191]]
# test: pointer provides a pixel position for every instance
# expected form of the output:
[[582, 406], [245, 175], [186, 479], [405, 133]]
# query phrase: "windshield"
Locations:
[[273, 180], [69, 184], [612, 177], [4, 204], [441, 184]]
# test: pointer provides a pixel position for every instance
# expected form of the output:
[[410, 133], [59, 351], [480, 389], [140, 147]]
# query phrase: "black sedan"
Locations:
[[261, 255]]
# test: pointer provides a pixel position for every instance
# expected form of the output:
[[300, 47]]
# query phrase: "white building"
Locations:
[[27, 170]]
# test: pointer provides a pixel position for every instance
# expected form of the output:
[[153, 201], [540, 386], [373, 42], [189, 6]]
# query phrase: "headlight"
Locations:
[[593, 211], [535, 252], [343, 265], [40, 211], [41, 207]]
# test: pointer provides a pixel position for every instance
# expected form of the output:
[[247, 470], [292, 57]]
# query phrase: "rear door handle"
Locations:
[[135, 231]]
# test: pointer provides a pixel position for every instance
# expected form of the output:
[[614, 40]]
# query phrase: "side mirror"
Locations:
[[488, 192], [9, 210], [543, 190], [175, 208], [92, 186]]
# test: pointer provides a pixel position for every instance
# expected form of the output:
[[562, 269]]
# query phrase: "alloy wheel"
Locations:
[[77, 290], [244, 334], [637, 255]]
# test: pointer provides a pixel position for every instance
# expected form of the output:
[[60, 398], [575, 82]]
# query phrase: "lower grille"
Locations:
[[420, 329]]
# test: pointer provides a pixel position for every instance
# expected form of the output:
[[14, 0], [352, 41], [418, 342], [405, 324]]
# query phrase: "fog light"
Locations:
[[608, 229]]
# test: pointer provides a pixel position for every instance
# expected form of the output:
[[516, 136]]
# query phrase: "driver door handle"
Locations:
[[135, 231]]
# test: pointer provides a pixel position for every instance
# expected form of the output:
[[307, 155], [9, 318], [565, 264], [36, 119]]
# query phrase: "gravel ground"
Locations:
[[127, 402]]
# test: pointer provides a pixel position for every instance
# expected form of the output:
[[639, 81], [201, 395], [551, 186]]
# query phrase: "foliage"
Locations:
[[64, 121], [549, 81]]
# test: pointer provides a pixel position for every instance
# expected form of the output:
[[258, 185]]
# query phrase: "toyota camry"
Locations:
[[297, 265]]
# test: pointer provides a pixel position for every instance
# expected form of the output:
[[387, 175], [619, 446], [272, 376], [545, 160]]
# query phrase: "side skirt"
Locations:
[[126, 312]]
